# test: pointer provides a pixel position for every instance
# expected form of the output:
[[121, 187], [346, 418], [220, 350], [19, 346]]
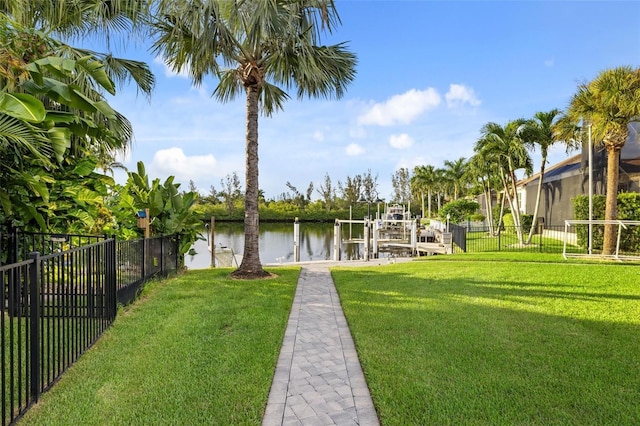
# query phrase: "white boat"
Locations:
[[394, 216], [394, 213]]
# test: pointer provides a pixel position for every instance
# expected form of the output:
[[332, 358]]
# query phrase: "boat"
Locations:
[[394, 213], [395, 216]]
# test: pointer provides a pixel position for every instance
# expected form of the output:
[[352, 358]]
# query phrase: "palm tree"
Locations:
[[506, 147], [442, 186], [481, 170], [541, 131], [609, 103], [455, 172], [64, 21], [424, 179], [252, 47]]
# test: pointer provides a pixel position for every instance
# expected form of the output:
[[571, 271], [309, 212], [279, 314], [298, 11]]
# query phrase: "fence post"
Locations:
[[111, 283], [540, 233], [336, 240], [91, 290], [13, 245], [376, 230], [414, 238], [296, 240], [34, 329], [367, 240]]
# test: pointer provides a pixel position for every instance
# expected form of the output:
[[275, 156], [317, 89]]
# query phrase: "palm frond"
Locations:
[[272, 98], [119, 70], [230, 86], [21, 137]]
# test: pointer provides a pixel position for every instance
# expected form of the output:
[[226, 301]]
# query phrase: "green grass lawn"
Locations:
[[489, 338], [498, 339], [196, 349]]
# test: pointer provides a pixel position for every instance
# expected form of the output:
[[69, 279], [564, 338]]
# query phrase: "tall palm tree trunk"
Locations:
[[251, 266], [513, 205], [611, 206], [515, 211], [538, 196], [486, 189], [499, 225]]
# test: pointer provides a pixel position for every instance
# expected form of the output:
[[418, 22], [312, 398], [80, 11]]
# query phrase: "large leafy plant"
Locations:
[[51, 114], [170, 211]]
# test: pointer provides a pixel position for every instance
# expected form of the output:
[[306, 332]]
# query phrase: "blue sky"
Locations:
[[430, 74]]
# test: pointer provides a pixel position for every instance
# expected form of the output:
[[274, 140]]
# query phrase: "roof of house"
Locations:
[[567, 165], [630, 166]]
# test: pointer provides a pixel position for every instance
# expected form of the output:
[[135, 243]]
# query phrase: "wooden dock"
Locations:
[[421, 249], [397, 241], [395, 246]]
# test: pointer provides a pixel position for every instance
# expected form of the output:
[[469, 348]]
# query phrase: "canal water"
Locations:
[[276, 242]]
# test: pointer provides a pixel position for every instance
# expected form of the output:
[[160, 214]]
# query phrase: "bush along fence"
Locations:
[[56, 305]]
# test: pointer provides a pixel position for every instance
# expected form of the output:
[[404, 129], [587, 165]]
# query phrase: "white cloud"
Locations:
[[168, 72], [354, 149], [549, 63], [173, 161], [318, 136], [401, 109], [401, 141], [459, 95]]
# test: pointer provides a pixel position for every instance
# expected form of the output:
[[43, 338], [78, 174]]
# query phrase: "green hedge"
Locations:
[[509, 225], [628, 209]]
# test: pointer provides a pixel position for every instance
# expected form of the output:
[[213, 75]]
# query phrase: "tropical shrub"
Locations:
[[52, 114], [458, 210], [509, 225], [477, 217], [170, 211]]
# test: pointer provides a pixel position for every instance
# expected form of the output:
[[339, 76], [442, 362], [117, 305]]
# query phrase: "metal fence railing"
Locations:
[[571, 239], [137, 261], [55, 306], [16, 244], [513, 239]]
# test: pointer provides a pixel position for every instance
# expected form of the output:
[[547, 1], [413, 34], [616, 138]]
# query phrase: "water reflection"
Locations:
[[276, 242]]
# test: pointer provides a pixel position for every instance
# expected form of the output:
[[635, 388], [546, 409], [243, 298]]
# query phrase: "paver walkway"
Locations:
[[318, 378]]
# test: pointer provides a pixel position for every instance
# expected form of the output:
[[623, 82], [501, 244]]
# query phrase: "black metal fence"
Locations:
[[570, 240], [458, 236], [139, 260], [55, 306], [514, 239], [15, 244]]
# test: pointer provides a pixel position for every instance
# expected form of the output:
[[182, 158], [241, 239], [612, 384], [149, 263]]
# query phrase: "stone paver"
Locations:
[[318, 378]]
